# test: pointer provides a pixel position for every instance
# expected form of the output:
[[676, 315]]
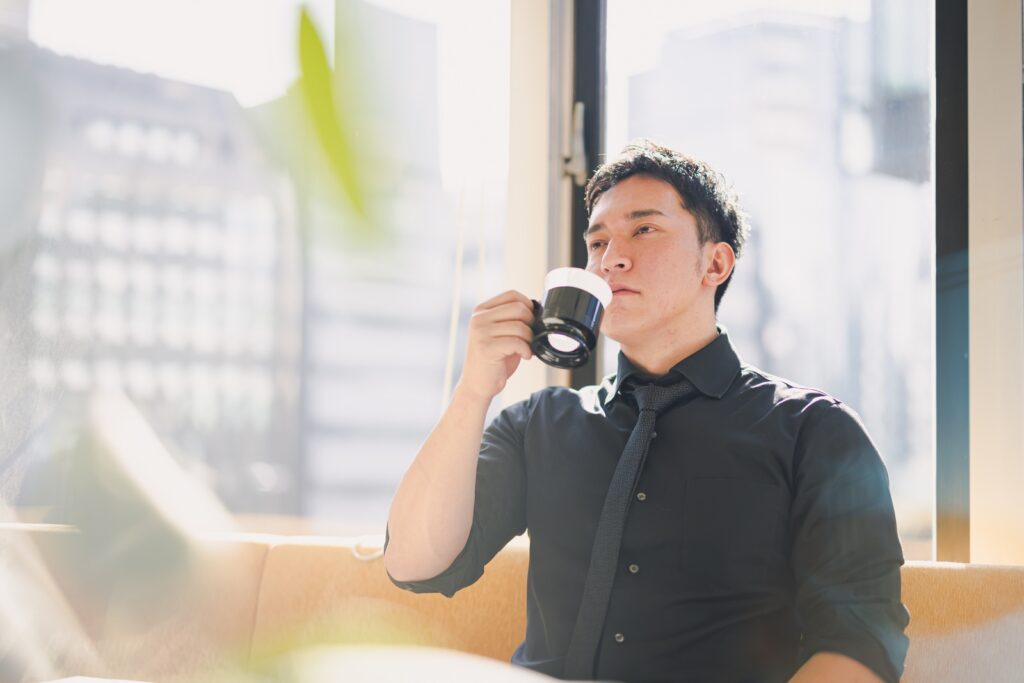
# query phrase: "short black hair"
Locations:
[[704, 193]]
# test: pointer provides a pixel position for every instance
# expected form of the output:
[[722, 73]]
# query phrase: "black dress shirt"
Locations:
[[762, 530]]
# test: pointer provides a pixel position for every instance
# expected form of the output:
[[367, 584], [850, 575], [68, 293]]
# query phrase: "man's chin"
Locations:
[[622, 334]]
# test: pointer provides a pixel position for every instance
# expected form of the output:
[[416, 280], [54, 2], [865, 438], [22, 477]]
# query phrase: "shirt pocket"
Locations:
[[733, 533]]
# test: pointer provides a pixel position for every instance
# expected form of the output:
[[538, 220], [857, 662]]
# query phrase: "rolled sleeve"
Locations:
[[846, 554], [499, 511]]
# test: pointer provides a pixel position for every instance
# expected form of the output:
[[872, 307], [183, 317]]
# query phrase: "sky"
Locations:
[[249, 48], [243, 46]]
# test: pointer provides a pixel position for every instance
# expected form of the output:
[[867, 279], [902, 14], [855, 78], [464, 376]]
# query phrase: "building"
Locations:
[[153, 243]]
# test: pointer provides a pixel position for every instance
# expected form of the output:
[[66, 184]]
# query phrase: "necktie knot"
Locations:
[[657, 398]]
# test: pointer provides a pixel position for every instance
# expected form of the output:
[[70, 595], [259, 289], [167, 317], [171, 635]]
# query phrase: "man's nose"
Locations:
[[614, 259]]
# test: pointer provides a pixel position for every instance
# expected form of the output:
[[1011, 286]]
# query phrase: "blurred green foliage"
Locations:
[[333, 133], [324, 132]]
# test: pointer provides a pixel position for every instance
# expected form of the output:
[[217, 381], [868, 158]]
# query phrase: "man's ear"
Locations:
[[721, 261]]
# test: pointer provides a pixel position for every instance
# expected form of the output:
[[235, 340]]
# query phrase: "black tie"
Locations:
[[580, 659]]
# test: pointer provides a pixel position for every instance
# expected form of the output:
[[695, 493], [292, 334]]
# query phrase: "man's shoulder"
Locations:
[[548, 394], [588, 398], [808, 413], [780, 390]]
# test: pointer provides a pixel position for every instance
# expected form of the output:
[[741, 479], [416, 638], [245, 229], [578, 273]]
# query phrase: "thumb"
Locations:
[[511, 363]]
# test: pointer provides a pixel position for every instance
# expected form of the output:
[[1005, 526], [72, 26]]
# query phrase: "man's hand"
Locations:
[[832, 667], [499, 337]]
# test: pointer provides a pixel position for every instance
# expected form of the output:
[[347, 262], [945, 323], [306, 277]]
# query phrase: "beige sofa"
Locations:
[[242, 602]]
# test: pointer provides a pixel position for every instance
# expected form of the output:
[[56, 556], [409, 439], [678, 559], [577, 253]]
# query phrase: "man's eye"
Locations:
[[595, 245], [644, 228]]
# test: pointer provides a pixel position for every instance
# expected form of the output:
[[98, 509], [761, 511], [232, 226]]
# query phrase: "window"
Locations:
[[819, 115], [191, 256]]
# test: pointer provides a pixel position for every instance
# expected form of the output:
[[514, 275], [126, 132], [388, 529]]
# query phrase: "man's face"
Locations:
[[645, 245]]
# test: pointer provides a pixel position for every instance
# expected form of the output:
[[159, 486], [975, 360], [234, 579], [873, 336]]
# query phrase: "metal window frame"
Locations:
[[589, 22], [952, 309]]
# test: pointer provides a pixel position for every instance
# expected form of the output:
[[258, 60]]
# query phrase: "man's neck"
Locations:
[[659, 353]]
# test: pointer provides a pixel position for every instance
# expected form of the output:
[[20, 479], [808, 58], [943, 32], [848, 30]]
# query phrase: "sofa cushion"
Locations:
[[966, 622], [245, 599], [207, 634], [331, 590]]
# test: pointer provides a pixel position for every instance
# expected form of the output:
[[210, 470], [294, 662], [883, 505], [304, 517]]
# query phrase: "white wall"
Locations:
[[996, 200]]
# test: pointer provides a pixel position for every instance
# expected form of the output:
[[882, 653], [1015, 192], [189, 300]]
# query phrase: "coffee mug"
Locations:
[[566, 325]]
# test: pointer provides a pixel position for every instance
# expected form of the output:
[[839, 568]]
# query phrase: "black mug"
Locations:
[[566, 325]]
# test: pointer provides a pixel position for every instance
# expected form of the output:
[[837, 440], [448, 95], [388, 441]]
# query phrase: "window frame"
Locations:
[[963, 166]]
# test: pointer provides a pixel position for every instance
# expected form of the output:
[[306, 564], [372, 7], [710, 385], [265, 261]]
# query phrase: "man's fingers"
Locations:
[[511, 310], [511, 328], [504, 298], [512, 346]]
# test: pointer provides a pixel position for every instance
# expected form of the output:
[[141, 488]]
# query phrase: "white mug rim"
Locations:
[[581, 279]]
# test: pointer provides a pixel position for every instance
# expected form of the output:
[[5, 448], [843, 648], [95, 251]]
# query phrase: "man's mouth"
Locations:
[[621, 290]]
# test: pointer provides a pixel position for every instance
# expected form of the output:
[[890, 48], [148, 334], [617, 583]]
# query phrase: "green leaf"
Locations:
[[330, 131]]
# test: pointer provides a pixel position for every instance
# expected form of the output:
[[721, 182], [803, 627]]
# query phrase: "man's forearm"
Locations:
[[432, 511], [831, 667]]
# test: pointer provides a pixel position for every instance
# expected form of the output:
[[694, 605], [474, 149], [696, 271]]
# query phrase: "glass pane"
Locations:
[[270, 285], [819, 115]]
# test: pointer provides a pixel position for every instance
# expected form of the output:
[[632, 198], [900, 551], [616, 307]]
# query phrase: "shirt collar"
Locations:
[[711, 369]]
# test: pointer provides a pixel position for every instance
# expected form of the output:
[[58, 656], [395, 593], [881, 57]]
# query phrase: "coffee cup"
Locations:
[[566, 325]]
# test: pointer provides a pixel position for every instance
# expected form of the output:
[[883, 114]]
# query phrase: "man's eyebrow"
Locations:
[[632, 215], [644, 213]]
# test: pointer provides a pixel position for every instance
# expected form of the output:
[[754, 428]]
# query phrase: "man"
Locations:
[[760, 542]]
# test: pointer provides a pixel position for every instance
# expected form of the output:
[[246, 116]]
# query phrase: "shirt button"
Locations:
[[641, 496], [634, 568], [654, 435], [619, 638]]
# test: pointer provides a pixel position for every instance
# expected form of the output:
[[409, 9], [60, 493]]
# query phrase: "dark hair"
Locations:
[[704, 193]]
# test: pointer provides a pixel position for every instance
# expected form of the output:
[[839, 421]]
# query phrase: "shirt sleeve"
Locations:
[[846, 553], [499, 510]]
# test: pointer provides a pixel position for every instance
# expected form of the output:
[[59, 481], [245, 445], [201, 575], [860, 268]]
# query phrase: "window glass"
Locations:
[[179, 234], [819, 115]]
